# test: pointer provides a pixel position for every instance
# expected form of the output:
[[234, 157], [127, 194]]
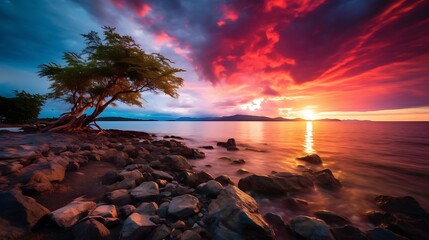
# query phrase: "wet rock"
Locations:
[[190, 235], [146, 191], [90, 230], [160, 233], [70, 214], [126, 210], [326, 179], [107, 211], [276, 184], [296, 204], [127, 183], [348, 233], [12, 168], [383, 234], [162, 175], [380, 218], [238, 162], [134, 174], [313, 159], [110, 177], [118, 197], [235, 215], [310, 228], [407, 206], [163, 209], [331, 218], [192, 179], [230, 145], [242, 171], [224, 180], [176, 163], [52, 170], [184, 206], [210, 188], [274, 219], [38, 183], [207, 147], [136, 226], [148, 208], [18, 214]]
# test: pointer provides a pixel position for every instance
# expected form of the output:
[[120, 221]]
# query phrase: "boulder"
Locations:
[[310, 228], [136, 226], [38, 183], [224, 180], [326, 179], [162, 175], [380, 218], [176, 163], [146, 191], [119, 197], [148, 208], [133, 174], [190, 235], [230, 145], [348, 233], [90, 229], [383, 234], [53, 171], [331, 218], [106, 211], [313, 159], [110, 177], [210, 188], [407, 206], [18, 214], [126, 210], [160, 233], [127, 183], [276, 184], [184, 206], [235, 215], [70, 214]]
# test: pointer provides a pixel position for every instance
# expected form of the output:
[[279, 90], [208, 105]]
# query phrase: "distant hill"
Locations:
[[121, 119], [246, 118]]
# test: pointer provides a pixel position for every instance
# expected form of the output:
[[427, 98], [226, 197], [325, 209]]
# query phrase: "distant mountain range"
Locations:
[[223, 118], [121, 119], [247, 118]]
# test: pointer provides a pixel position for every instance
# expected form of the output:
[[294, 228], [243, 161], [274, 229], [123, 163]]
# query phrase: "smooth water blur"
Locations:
[[370, 158]]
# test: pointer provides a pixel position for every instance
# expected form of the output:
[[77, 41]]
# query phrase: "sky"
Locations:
[[346, 59]]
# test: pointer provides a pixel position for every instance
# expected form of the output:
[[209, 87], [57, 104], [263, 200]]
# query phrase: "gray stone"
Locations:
[[184, 206], [136, 226], [310, 228], [276, 184], [107, 211], [160, 233], [331, 218], [126, 210], [148, 208], [70, 214], [176, 163], [210, 188], [18, 214], [91, 230], [119, 197], [383, 234], [190, 235], [235, 215], [146, 191]]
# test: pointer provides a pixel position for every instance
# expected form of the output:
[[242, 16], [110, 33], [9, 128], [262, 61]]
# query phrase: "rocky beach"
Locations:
[[135, 185]]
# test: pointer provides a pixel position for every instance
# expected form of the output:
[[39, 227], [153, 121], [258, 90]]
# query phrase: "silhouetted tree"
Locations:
[[22, 108], [109, 70]]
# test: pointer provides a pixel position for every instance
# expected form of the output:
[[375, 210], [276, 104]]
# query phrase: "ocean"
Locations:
[[369, 158]]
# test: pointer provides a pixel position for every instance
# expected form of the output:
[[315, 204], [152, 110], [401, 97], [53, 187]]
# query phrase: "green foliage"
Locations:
[[22, 108], [109, 70]]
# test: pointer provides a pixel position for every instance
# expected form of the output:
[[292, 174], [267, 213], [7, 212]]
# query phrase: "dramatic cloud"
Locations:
[[265, 57]]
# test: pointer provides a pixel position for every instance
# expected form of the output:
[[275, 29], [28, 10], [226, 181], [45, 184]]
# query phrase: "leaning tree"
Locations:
[[108, 71]]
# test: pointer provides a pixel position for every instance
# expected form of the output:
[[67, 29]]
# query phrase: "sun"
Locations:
[[308, 114]]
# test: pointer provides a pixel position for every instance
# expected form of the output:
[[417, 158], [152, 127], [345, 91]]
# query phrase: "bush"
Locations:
[[22, 108]]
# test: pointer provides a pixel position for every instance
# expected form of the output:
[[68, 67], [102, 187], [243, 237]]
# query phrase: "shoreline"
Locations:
[[137, 163]]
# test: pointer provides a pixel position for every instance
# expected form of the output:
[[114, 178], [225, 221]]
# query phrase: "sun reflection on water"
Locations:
[[309, 143]]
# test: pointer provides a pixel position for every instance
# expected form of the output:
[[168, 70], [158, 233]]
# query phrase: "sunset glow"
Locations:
[[270, 58]]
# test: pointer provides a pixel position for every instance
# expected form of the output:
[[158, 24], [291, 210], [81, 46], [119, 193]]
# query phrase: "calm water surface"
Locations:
[[370, 158]]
